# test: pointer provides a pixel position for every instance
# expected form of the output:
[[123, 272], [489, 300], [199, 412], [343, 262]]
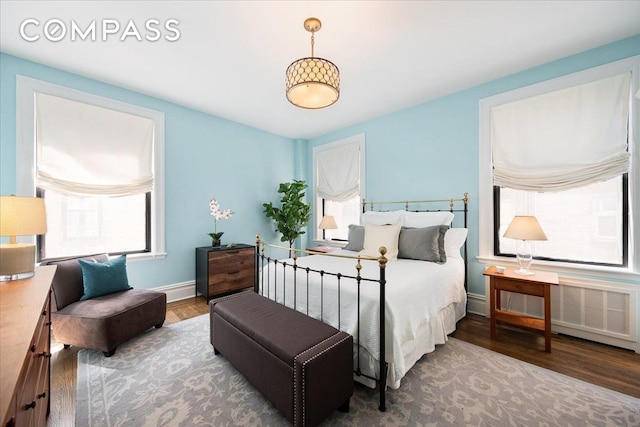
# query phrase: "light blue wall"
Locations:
[[431, 150], [206, 157]]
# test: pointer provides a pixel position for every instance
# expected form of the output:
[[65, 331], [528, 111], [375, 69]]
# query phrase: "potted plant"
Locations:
[[217, 214], [294, 213]]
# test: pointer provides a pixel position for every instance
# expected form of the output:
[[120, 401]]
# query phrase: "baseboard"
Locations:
[[476, 304], [178, 291]]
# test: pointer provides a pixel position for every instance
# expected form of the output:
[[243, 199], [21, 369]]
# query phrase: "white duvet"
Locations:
[[423, 302]]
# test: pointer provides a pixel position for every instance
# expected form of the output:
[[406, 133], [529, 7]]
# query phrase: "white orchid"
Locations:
[[217, 214]]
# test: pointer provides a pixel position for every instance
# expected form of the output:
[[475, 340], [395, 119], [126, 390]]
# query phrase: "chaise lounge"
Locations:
[[102, 322]]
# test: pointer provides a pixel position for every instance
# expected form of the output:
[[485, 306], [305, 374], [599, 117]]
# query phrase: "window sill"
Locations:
[[594, 271], [146, 256]]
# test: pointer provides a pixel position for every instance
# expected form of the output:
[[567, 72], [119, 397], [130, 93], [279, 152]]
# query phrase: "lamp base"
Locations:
[[523, 272], [19, 276], [17, 261]]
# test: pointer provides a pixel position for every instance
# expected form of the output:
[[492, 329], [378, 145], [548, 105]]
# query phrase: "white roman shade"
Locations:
[[83, 149], [562, 139], [339, 172]]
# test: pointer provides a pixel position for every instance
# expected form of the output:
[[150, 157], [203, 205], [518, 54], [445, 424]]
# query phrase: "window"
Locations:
[[339, 184], [566, 151], [98, 164], [583, 225]]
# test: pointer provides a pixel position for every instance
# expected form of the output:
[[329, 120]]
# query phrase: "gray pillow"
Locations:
[[426, 244], [356, 238]]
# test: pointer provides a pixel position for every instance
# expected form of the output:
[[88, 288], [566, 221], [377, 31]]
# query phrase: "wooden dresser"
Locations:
[[25, 352], [220, 269]]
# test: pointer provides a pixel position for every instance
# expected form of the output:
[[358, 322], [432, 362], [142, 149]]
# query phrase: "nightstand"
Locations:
[[223, 269], [537, 285], [323, 249]]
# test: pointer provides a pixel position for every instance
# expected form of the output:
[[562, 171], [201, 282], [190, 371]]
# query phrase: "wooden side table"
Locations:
[[537, 285], [224, 269], [322, 249]]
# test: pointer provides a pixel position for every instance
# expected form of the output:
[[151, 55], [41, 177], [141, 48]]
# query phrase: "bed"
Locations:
[[419, 279]]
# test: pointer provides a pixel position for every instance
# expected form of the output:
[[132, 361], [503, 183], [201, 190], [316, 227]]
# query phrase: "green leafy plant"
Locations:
[[294, 213]]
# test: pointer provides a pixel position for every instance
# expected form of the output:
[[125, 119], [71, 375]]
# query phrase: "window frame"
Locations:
[[359, 139], [486, 189], [26, 88], [625, 231]]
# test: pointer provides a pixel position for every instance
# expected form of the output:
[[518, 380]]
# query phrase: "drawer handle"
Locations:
[[44, 354], [43, 394], [234, 272], [44, 313], [32, 349], [30, 405]]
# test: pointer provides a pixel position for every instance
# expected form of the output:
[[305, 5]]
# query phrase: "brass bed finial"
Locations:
[[382, 260]]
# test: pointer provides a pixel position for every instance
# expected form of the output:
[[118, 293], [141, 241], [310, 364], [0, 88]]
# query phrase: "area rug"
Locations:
[[170, 377]]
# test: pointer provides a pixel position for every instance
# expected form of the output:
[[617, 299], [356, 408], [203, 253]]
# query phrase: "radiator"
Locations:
[[596, 310]]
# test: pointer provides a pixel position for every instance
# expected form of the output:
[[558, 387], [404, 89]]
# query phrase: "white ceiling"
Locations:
[[231, 56]]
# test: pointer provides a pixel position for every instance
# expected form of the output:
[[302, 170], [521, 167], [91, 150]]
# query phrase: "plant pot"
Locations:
[[215, 242]]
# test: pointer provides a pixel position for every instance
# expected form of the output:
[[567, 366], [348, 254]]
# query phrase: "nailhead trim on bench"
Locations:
[[295, 380]]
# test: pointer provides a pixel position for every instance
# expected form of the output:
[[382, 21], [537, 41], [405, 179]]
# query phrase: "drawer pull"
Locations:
[[44, 354], [44, 313], [43, 394], [233, 272], [30, 405], [32, 349]]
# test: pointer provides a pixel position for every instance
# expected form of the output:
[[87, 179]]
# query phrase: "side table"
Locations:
[[537, 285], [323, 249], [224, 269]]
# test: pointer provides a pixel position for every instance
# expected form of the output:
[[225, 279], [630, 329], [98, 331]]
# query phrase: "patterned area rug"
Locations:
[[170, 377]]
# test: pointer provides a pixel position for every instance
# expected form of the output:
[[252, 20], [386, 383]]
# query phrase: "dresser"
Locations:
[[25, 340], [222, 269]]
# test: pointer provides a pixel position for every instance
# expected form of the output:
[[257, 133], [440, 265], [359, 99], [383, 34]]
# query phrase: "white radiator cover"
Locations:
[[596, 310]]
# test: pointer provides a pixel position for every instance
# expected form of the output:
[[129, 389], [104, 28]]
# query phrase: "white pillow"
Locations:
[[381, 218], [426, 219], [453, 241], [381, 235]]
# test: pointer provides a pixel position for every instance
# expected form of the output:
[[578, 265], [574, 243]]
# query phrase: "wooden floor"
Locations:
[[599, 364]]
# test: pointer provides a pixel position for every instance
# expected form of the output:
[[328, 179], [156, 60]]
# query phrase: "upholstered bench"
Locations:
[[301, 365]]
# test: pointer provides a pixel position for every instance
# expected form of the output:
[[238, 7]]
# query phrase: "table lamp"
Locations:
[[20, 216], [328, 223], [525, 228]]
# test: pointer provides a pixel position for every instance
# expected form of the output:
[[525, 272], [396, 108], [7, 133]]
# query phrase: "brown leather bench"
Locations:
[[301, 365]]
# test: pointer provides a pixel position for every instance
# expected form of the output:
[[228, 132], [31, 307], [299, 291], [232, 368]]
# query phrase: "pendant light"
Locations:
[[313, 82]]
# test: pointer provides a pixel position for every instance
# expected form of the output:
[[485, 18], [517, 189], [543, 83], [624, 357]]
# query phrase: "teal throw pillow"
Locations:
[[102, 278]]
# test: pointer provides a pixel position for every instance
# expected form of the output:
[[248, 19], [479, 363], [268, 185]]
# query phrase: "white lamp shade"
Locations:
[[22, 216], [525, 228], [328, 223]]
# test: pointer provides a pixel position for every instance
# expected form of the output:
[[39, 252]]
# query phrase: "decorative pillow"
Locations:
[[426, 244], [381, 235], [102, 278], [453, 241], [382, 218], [426, 219], [356, 238]]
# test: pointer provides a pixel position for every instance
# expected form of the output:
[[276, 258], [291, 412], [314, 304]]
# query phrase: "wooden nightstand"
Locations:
[[323, 249], [223, 269], [537, 285]]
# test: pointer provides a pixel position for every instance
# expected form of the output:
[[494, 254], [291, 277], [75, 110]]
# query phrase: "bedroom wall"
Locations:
[[206, 157], [431, 150]]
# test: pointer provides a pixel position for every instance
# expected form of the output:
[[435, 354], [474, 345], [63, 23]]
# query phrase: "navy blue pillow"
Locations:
[[103, 278]]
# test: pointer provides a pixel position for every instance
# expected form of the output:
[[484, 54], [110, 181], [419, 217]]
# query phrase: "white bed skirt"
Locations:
[[433, 332]]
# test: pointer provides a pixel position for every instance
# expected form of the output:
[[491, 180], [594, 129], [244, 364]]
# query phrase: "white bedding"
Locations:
[[423, 302]]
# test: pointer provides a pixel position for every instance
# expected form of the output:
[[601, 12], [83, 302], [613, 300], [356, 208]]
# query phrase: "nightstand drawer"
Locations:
[[519, 287], [231, 280]]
